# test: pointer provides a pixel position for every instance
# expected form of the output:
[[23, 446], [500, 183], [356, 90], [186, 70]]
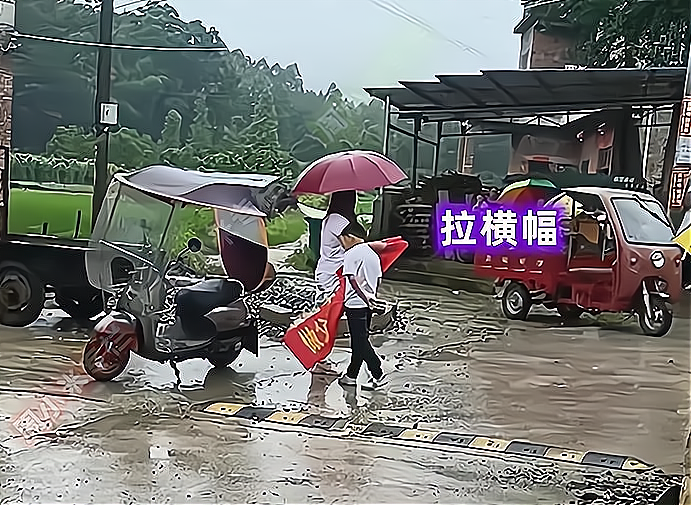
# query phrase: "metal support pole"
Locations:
[[387, 124], [437, 147], [102, 96], [416, 134], [648, 122]]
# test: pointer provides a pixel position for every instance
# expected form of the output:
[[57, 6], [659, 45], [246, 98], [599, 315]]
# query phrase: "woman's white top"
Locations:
[[331, 251]]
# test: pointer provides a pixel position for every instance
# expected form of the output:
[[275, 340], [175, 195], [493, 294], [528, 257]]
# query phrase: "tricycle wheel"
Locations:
[[660, 323], [22, 295], [104, 361], [83, 306], [569, 312], [222, 360], [516, 301]]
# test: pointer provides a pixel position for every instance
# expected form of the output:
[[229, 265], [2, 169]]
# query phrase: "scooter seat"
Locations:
[[194, 302]]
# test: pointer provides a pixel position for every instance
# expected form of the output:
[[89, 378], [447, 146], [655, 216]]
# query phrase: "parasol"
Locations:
[[529, 190], [570, 207], [347, 171]]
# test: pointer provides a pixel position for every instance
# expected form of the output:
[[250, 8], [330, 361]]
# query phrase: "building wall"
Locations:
[[550, 51]]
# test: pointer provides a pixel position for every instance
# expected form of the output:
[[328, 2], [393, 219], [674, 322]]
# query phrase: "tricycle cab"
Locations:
[[619, 257]]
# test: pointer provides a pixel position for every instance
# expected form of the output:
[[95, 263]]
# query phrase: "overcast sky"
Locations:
[[358, 43]]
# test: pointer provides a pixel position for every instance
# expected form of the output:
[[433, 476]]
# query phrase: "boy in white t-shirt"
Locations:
[[362, 270]]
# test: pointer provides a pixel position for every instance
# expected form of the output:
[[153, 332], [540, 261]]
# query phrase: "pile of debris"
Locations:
[[297, 295]]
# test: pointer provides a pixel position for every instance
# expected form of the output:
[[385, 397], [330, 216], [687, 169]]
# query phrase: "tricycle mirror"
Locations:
[[194, 244]]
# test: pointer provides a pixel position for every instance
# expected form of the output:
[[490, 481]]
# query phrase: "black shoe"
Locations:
[[376, 383]]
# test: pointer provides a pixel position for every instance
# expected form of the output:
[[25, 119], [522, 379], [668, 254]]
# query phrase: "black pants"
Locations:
[[358, 323]]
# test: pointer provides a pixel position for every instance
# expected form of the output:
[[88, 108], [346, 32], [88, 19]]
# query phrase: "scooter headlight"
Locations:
[[657, 259]]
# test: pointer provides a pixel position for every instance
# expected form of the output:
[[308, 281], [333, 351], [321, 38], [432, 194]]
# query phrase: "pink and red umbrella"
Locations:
[[347, 171]]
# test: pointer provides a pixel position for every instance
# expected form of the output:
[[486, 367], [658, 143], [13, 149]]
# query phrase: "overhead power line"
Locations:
[[57, 40], [530, 4], [400, 12]]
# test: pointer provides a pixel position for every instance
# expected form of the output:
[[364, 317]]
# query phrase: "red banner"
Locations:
[[312, 340]]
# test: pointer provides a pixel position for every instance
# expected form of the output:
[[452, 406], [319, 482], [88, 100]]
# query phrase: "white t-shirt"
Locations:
[[331, 251], [364, 264]]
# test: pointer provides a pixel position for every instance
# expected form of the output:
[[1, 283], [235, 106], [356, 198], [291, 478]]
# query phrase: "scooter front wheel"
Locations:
[[661, 321], [105, 359]]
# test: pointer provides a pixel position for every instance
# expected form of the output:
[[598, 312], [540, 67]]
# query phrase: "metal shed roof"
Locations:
[[514, 93]]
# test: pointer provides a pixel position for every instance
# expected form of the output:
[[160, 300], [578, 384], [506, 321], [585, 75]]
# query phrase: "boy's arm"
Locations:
[[358, 290]]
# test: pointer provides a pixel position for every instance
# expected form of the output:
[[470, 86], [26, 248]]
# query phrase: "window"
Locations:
[[643, 222], [604, 160]]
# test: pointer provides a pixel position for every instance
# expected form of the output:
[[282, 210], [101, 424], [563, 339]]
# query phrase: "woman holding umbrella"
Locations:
[[341, 213], [341, 175]]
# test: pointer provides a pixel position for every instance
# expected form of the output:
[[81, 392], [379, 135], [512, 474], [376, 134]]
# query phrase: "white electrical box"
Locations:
[[7, 13], [109, 113]]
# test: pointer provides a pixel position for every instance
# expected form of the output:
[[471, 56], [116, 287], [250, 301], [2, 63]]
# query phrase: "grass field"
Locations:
[[30, 208]]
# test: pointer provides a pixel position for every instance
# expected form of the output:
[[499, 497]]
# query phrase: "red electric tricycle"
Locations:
[[619, 257]]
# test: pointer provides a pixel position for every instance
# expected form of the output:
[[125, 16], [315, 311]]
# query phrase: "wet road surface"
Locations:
[[456, 364]]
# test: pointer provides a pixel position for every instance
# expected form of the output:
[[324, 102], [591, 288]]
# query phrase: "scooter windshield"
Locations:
[[131, 221], [137, 221]]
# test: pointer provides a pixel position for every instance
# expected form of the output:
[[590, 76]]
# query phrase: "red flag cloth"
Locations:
[[312, 339]]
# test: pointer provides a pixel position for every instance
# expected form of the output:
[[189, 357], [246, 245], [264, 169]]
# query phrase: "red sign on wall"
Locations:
[[677, 187], [685, 125]]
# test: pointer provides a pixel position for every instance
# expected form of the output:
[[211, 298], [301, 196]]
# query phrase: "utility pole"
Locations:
[[102, 99]]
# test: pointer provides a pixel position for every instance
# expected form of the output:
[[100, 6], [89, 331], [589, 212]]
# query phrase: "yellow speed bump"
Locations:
[[225, 409], [287, 417], [490, 444], [425, 436], [564, 455]]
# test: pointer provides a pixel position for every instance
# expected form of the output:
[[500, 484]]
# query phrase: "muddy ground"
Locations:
[[456, 364]]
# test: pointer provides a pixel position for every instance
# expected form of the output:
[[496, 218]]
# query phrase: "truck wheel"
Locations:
[[80, 307], [516, 301], [22, 295], [660, 323], [222, 360]]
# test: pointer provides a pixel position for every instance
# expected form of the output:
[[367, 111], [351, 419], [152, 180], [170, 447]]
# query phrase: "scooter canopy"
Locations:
[[250, 194]]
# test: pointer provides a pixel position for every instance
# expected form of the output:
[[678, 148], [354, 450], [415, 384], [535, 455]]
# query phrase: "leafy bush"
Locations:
[[37, 168], [286, 228], [364, 202]]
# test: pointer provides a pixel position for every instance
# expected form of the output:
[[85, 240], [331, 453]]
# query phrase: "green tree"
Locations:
[[622, 33], [55, 83], [219, 110]]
